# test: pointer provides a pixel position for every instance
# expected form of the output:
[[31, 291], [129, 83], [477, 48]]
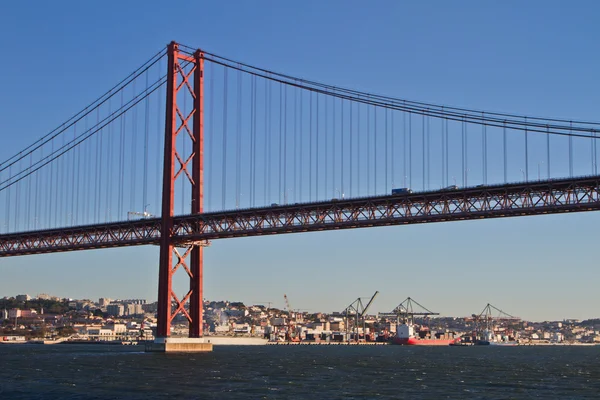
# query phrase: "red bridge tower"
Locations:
[[184, 78]]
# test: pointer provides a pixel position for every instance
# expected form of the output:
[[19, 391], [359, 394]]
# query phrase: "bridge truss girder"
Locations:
[[534, 198], [438, 206]]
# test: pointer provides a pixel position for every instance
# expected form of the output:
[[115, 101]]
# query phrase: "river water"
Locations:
[[300, 372]]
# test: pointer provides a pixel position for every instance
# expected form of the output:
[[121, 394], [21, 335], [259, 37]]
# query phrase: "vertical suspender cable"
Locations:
[[100, 175], [285, 190], [6, 203], [505, 155], [254, 140], [447, 155], [342, 141], [40, 195], [224, 150], [310, 160], [466, 154], [74, 174], [570, 150], [295, 170], [334, 147], [265, 152], [123, 124], [410, 150], [548, 150], [300, 170], [69, 200], [526, 152], [423, 145], [375, 151], [404, 152], [133, 163], [368, 149], [96, 173], [37, 200], [351, 157], [358, 137], [57, 196], [211, 139], [317, 170], [428, 155], [326, 169], [28, 198], [462, 151], [87, 189], [592, 142], [484, 149], [8, 208], [17, 198], [442, 148], [386, 149], [392, 152], [280, 140], [109, 153], [238, 139], [594, 154], [269, 140], [21, 204], [146, 141]]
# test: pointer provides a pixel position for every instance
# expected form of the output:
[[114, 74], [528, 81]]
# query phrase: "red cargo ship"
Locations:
[[407, 335]]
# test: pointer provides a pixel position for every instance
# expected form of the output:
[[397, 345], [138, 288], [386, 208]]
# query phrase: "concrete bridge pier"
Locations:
[[181, 345]]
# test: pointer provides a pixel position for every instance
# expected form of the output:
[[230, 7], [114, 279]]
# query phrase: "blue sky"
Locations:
[[538, 58]]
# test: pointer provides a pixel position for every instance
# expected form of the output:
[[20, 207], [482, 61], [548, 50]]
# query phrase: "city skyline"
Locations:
[[543, 266], [29, 303]]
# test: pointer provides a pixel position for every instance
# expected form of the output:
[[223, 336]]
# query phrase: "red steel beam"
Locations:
[[168, 195], [535, 198], [196, 256]]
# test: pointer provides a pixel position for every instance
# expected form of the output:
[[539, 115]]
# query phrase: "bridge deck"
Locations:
[[531, 198]]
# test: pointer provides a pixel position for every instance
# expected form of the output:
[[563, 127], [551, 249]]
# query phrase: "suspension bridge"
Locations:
[[202, 147]]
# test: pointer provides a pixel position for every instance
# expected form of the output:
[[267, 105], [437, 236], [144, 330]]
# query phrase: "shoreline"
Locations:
[[236, 342]]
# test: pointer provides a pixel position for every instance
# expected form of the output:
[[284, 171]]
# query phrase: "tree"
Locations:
[[65, 331], [98, 313]]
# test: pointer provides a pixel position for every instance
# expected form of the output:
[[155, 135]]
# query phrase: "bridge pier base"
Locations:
[[178, 345]]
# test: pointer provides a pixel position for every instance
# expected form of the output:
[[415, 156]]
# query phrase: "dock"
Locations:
[[325, 343]]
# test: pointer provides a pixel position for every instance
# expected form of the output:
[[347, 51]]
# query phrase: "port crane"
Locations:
[[407, 310], [358, 311], [268, 303], [290, 335], [485, 322]]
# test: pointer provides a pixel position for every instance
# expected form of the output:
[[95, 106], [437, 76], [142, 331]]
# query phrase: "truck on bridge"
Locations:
[[402, 191]]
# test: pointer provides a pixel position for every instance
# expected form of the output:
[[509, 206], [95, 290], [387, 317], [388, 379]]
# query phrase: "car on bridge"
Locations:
[[451, 187]]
